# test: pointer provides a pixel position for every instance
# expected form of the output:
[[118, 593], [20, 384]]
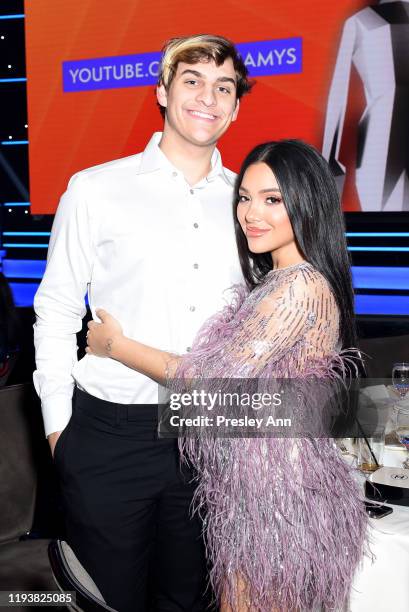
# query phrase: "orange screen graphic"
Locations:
[[72, 131]]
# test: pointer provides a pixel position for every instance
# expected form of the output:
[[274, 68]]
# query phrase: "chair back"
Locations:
[[18, 478], [70, 575]]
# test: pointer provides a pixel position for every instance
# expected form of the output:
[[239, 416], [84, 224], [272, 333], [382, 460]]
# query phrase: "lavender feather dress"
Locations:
[[284, 516]]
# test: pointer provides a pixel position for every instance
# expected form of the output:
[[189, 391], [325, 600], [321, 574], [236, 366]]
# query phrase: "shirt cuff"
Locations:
[[57, 410]]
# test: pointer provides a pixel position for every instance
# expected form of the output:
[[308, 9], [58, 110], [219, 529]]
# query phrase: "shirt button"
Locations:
[[188, 349], [192, 308], [192, 192], [174, 173], [195, 266], [195, 225]]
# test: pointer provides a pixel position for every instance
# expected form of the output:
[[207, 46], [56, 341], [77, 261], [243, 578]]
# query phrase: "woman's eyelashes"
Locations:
[[274, 200], [270, 200]]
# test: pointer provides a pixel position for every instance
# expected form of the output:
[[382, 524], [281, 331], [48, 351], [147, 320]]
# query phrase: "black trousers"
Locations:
[[126, 503]]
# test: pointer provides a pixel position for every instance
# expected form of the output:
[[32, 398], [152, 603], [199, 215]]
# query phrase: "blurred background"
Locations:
[[77, 89]]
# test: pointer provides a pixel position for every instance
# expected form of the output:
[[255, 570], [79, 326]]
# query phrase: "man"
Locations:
[[150, 237]]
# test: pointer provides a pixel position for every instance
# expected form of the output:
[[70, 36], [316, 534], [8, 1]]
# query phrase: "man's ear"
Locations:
[[161, 95], [236, 110]]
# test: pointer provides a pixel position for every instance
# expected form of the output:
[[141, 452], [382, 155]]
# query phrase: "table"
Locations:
[[384, 584]]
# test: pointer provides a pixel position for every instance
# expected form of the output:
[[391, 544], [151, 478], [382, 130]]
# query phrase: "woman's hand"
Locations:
[[102, 336], [106, 339]]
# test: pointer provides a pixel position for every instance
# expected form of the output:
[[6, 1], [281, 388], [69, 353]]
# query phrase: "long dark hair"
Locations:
[[312, 203]]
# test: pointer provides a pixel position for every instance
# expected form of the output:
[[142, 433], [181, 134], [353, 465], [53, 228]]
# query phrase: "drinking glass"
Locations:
[[400, 378], [370, 452], [402, 428]]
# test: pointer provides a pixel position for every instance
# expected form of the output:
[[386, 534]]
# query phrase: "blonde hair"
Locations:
[[201, 47]]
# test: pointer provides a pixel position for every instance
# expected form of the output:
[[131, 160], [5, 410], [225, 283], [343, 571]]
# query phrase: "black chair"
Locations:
[[24, 564], [29, 562], [70, 575]]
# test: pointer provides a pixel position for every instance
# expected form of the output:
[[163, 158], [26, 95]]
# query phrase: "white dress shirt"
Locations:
[[150, 249]]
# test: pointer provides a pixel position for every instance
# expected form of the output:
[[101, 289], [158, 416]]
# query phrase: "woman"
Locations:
[[285, 524]]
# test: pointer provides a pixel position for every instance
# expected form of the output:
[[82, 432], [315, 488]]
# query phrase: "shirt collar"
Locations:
[[154, 159]]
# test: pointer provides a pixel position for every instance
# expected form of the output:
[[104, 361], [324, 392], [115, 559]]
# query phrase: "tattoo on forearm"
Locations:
[[108, 345]]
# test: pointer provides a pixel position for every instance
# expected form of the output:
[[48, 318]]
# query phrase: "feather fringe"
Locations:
[[285, 516]]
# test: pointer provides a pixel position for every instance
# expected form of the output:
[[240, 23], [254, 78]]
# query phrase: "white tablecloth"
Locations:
[[383, 584]]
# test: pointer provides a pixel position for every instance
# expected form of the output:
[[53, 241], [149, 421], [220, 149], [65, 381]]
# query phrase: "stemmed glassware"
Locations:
[[400, 381], [402, 429], [400, 378]]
